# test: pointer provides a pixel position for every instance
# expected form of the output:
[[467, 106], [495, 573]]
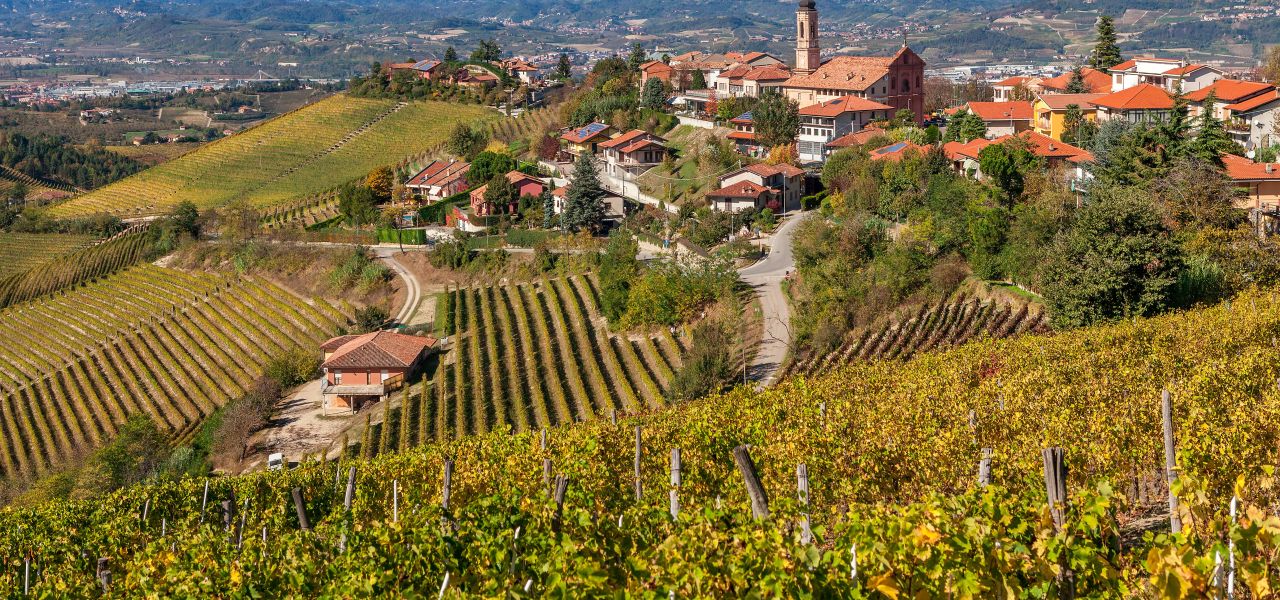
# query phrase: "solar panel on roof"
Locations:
[[894, 148]]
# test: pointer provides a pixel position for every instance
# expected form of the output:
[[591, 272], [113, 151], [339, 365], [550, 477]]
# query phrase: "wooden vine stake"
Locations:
[[351, 489], [204, 501], [395, 500], [1055, 480], [755, 491], [104, 574], [1170, 460], [546, 477], [802, 493], [675, 483], [984, 468], [300, 507], [562, 485], [639, 484]]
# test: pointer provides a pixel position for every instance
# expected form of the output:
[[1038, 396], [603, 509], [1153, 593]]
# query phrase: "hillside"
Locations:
[[305, 152], [869, 434], [148, 340], [22, 251]]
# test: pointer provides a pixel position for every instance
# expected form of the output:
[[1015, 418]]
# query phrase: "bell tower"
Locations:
[[808, 54]]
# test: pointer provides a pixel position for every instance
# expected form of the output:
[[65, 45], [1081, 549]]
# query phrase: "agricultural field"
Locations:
[[154, 154], [945, 324], [304, 153], [22, 251], [148, 340], [865, 485], [536, 355], [73, 268]]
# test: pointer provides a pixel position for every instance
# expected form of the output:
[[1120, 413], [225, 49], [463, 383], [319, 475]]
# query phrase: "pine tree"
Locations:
[[1106, 53], [450, 55], [585, 206], [1076, 84], [653, 96], [699, 81], [563, 68], [548, 210], [1211, 140], [638, 57]]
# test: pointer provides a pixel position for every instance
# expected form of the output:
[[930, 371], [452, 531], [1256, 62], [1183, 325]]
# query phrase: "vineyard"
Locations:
[[22, 251], [867, 487], [302, 153], [536, 355], [73, 268], [174, 345], [945, 324]]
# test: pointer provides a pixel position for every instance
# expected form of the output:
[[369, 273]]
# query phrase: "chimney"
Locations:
[[1271, 168]]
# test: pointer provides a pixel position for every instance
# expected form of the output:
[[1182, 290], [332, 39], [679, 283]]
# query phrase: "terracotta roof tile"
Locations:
[[846, 73], [1001, 111], [741, 189], [1097, 81], [1243, 169], [1011, 81], [1230, 90], [1143, 96], [380, 349], [1062, 101], [856, 138], [970, 149], [842, 105], [630, 136], [897, 151], [1254, 102]]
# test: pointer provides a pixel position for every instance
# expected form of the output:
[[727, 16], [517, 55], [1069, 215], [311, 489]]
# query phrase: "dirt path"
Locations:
[[298, 428]]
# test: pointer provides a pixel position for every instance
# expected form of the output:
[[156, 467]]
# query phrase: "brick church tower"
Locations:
[[808, 54]]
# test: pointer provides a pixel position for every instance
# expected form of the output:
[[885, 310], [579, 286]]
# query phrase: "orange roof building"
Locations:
[[896, 81], [1260, 183], [1096, 81], [1141, 103], [826, 121], [1003, 118], [362, 368]]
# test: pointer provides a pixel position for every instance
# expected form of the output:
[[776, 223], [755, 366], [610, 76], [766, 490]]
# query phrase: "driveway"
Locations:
[[413, 289], [766, 278], [297, 427]]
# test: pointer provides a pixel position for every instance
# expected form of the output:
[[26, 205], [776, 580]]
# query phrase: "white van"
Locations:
[[275, 462]]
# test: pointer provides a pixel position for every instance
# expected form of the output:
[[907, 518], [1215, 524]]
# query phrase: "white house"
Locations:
[[613, 204], [825, 121], [776, 187], [1168, 73], [632, 153], [1255, 123]]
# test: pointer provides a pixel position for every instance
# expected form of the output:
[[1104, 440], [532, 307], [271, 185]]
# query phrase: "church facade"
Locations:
[[896, 81]]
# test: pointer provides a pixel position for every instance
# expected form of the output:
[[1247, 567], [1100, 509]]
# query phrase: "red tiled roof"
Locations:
[[1097, 81], [1243, 169], [629, 136], [1011, 81], [1230, 90], [380, 349], [1062, 101], [1254, 102], [768, 170], [845, 73], [639, 145], [970, 149], [439, 172], [1186, 70], [515, 177], [1046, 147], [742, 135], [842, 105], [654, 66], [1001, 111], [736, 71], [741, 189], [1143, 96], [896, 151], [1133, 62], [768, 73], [1125, 66], [856, 138], [586, 132]]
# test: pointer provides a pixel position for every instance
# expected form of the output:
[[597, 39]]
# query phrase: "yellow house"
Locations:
[[1049, 111]]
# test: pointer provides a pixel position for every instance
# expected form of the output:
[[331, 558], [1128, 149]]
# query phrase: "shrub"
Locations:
[[293, 367], [371, 318]]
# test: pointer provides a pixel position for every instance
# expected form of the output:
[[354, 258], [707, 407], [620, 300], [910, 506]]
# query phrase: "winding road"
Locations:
[[766, 278], [412, 288]]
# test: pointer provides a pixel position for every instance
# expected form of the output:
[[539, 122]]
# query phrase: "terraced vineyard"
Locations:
[[299, 154], [22, 251], [70, 269], [536, 355], [932, 327], [167, 343], [527, 124]]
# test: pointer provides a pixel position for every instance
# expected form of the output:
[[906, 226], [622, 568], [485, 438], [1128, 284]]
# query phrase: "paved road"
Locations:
[[413, 289], [766, 277]]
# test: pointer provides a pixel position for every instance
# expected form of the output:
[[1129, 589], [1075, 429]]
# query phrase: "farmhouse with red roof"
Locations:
[[359, 369]]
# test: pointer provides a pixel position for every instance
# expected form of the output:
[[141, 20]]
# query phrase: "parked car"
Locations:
[[275, 462]]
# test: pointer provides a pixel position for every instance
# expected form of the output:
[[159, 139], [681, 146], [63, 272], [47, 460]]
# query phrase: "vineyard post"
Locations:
[[1170, 460], [1055, 479], [164, 526], [675, 483], [104, 574], [26, 575], [240, 528], [562, 485], [301, 509], [395, 500], [546, 476], [544, 439], [984, 468], [639, 484], [351, 488], [448, 482], [755, 491], [146, 510], [227, 509], [802, 492], [615, 416]]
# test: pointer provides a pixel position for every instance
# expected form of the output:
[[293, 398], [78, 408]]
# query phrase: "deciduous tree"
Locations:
[[776, 119]]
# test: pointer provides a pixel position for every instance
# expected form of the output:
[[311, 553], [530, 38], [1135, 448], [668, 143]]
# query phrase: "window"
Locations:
[[337, 377], [906, 85], [385, 375]]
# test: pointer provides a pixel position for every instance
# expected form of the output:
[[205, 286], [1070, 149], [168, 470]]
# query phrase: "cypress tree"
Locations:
[[425, 409], [548, 210], [384, 440], [366, 438], [407, 410]]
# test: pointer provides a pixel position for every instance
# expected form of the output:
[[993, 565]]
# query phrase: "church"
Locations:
[[896, 81]]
